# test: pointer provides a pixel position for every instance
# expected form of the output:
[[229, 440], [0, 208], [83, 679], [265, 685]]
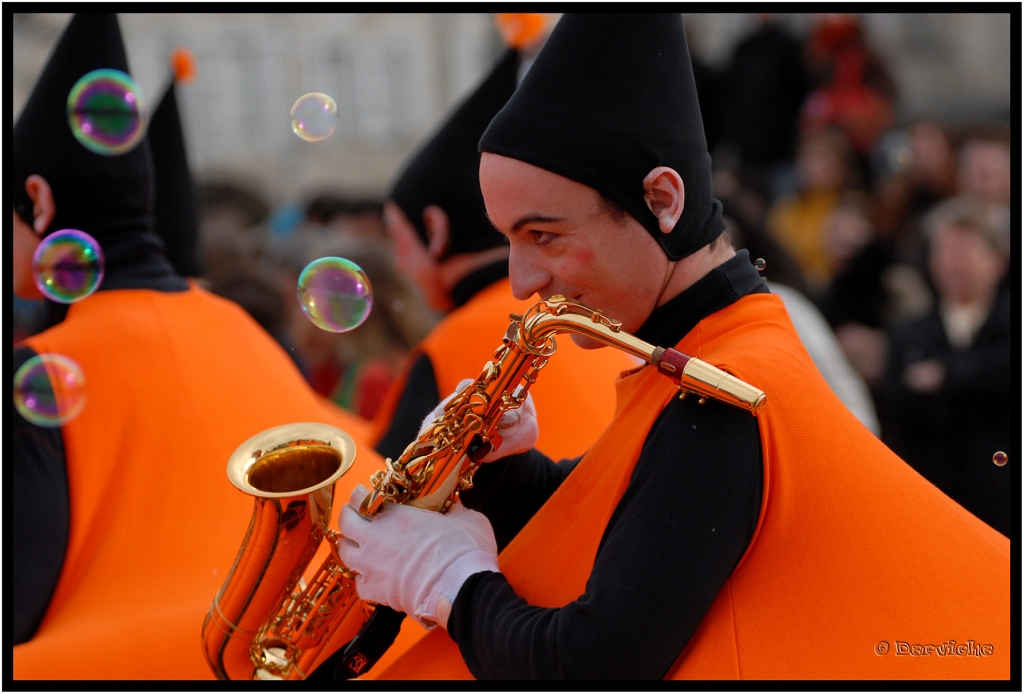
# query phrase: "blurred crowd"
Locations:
[[898, 232]]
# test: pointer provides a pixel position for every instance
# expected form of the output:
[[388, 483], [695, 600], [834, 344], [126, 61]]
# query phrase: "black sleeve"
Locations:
[[684, 521], [40, 518], [510, 490], [418, 399]]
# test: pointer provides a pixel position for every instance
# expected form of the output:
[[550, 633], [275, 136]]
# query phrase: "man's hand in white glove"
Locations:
[[412, 560], [518, 428]]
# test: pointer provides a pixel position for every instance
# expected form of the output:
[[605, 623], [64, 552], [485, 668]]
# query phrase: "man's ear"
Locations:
[[438, 231], [664, 194], [43, 207]]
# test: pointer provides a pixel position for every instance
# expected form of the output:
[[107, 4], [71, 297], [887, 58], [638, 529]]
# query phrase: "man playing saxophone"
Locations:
[[692, 540]]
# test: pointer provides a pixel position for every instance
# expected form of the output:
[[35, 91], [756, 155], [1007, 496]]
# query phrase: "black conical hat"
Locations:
[[445, 171], [101, 195], [176, 205], [609, 98]]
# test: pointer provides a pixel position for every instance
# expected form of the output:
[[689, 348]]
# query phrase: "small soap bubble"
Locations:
[[760, 264], [68, 266], [105, 112], [314, 116], [335, 294], [1000, 458], [49, 390]]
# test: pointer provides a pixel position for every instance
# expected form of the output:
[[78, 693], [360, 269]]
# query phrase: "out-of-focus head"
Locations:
[[103, 195], [441, 178], [969, 249], [932, 152], [823, 160], [984, 168], [848, 228]]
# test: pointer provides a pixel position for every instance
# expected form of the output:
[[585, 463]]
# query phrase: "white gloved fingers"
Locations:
[[355, 498], [509, 419], [439, 410], [519, 431], [401, 555]]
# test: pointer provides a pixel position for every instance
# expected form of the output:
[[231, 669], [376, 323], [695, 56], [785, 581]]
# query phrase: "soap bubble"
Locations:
[[49, 390], [105, 112], [1000, 458], [760, 264], [68, 266], [314, 116], [335, 294]]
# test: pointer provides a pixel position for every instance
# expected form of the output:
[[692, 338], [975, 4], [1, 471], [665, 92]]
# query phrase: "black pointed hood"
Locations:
[[101, 195], [609, 98], [446, 171], [176, 206]]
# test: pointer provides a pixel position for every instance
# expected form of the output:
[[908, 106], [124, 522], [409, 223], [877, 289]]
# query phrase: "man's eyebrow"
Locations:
[[533, 219]]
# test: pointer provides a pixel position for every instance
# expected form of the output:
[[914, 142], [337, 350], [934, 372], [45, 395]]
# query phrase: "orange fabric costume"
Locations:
[[857, 565], [175, 382], [574, 394]]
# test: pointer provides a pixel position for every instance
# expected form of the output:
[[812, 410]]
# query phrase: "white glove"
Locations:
[[412, 560], [518, 428]]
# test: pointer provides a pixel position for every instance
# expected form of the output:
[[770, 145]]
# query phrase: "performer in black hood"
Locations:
[[175, 379]]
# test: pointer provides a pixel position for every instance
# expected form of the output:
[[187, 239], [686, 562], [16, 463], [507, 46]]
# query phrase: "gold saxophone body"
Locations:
[[258, 627]]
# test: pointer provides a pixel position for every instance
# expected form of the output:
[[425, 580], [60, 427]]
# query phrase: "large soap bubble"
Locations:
[[49, 390], [314, 116], [105, 112], [68, 266], [335, 294]]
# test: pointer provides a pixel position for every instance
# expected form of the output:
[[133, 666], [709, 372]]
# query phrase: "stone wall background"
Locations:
[[395, 75]]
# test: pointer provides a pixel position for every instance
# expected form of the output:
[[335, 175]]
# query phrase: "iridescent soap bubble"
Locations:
[[105, 112], [49, 390], [1000, 458], [760, 264], [314, 116], [335, 294], [68, 266]]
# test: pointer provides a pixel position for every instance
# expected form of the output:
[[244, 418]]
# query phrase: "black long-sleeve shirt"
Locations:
[[683, 523]]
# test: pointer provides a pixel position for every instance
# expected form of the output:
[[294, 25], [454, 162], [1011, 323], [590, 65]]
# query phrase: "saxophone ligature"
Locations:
[[297, 629]]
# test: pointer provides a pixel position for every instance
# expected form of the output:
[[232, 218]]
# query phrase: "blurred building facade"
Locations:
[[395, 75]]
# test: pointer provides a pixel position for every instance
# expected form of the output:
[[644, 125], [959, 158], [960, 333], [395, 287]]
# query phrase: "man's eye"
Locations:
[[542, 238]]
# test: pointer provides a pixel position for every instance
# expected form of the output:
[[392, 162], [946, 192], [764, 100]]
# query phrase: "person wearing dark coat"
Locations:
[[946, 402]]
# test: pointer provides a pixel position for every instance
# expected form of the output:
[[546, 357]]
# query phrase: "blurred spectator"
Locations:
[[230, 219], [869, 289], [924, 179], [948, 399], [823, 167], [983, 165], [765, 86], [868, 285], [784, 279], [243, 206], [359, 216], [855, 91]]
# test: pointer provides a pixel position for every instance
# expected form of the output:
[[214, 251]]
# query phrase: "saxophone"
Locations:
[[240, 640]]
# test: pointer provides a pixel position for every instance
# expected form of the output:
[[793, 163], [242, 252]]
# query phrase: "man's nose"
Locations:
[[526, 275]]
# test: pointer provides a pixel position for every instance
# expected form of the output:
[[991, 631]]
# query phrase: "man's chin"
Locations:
[[584, 342]]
